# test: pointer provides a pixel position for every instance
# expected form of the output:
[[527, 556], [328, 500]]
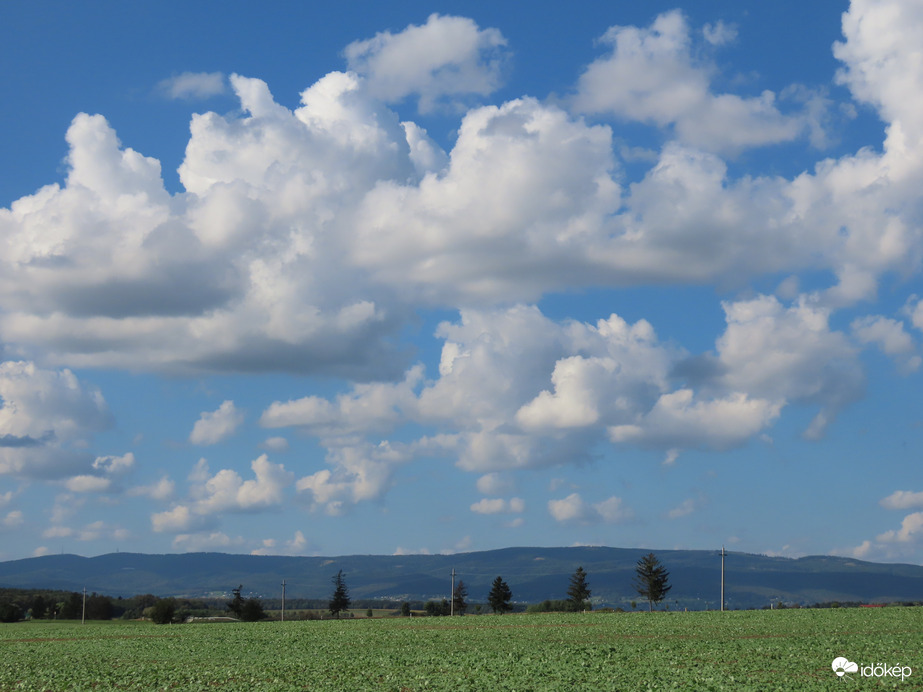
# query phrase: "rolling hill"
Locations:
[[534, 574]]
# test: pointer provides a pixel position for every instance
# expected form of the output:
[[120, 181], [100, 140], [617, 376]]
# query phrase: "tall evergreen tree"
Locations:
[[578, 593], [499, 596], [340, 600], [459, 604], [651, 581]]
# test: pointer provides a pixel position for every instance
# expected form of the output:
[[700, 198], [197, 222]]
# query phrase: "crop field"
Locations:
[[739, 650]]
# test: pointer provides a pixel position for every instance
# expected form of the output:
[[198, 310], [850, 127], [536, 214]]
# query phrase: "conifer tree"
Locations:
[[499, 596], [459, 604], [579, 592], [651, 581], [340, 600]]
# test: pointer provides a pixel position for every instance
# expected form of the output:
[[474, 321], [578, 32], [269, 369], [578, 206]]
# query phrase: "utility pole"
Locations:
[[722, 577], [283, 600], [83, 614], [452, 597]]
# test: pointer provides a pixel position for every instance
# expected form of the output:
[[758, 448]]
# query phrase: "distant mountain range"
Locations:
[[533, 574]]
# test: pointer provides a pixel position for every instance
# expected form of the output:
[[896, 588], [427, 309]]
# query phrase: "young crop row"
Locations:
[[781, 650]]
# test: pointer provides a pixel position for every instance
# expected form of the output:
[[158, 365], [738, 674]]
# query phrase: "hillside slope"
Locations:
[[534, 574]]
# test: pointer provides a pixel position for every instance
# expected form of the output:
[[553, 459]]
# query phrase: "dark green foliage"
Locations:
[[163, 611], [133, 608], [578, 593], [434, 608], [39, 608], [651, 581], [10, 612], [252, 610], [249, 610], [405, 609], [551, 606], [459, 604], [340, 600], [99, 607], [499, 596], [72, 608]]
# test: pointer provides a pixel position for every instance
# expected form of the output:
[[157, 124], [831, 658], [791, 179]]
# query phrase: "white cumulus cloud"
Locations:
[[903, 499], [651, 76], [448, 56], [216, 426], [574, 510]]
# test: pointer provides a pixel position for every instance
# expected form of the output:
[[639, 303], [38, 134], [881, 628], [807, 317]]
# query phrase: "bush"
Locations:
[[252, 610], [163, 611], [556, 606], [10, 612]]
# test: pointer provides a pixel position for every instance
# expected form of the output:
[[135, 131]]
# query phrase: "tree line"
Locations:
[[651, 582]]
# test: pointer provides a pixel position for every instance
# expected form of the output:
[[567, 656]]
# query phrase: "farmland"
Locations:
[[737, 650]]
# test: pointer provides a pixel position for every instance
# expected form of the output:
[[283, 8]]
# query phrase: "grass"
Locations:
[[739, 650]]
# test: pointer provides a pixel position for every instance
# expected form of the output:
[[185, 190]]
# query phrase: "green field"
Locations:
[[741, 650]]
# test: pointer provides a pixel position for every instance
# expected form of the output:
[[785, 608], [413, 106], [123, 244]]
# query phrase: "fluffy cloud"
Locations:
[[526, 191], [206, 541], [515, 505], [368, 407], [879, 35], [360, 472], [161, 490], [216, 426], [574, 510], [275, 444], [517, 390], [651, 76], [12, 520], [304, 238], [785, 354], [212, 495], [494, 484], [910, 531], [45, 419], [899, 543], [237, 273], [719, 33], [93, 531], [226, 490], [446, 57], [177, 519], [295, 546], [677, 419], [88, 484], [903, 499], [114, 465], [889, 335]]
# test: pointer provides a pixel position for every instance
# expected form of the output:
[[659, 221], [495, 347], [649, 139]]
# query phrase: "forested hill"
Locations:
[[534, 575]]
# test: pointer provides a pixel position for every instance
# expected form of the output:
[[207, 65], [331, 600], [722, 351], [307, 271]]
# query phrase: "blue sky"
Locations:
[[437, 277]]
